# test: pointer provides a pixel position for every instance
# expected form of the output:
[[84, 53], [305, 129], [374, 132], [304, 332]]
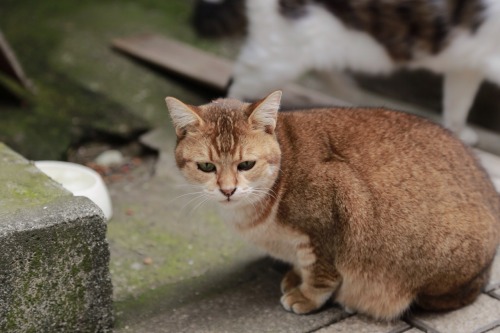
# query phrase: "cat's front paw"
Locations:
[[296, 302]]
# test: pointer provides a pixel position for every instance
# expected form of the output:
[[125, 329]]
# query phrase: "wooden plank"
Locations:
[[178, 57], [12, 76], [205, 68]]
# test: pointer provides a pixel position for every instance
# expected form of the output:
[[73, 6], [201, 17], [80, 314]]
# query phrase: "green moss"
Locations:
[[82, 85], [180, 245], [187, 249], [52, 297], [171, 255], [23, 185]]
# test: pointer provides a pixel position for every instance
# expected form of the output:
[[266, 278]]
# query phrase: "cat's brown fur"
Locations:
[[376, 208]]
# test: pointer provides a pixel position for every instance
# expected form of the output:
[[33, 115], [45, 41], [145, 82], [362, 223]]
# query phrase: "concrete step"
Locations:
[[54, 256]]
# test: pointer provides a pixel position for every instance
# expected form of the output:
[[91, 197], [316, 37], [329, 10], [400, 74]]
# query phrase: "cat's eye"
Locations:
[[247, 165], [206, 167]]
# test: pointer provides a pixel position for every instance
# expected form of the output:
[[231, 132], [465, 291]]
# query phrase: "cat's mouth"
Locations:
[[228, 201]]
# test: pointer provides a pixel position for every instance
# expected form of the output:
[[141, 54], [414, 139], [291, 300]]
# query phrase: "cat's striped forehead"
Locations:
[[228, 121]]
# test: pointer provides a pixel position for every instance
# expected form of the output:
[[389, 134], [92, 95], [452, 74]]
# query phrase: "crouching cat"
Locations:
[[457, 38], [363, 203]]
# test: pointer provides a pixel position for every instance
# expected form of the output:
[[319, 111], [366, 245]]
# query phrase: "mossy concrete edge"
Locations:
[[54, 263], [23, 185]]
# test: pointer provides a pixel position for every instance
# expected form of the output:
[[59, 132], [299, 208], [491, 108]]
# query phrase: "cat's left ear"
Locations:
[[265, 112], [182, 115]]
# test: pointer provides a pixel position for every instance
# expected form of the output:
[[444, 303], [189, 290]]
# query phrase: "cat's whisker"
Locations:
[[200, 204], [266, 192], [270, 193], [260, 196], [247, 199], [183, 195], [258, 207], [203, 195], [265, 189], [253, 202], [257, 195]]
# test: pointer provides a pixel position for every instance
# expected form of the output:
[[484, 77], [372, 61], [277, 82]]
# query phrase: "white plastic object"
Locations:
[[79, 180]]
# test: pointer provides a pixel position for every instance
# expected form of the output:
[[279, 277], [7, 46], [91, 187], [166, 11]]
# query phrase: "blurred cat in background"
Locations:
[[286, 38]]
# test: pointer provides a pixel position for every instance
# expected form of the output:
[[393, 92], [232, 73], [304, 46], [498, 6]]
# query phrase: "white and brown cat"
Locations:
[[363, 203], [456, 38]]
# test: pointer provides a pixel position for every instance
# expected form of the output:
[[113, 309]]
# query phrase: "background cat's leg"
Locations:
[[340, 83], [256, 76], [317, 286], [277, 51], [460, 89]]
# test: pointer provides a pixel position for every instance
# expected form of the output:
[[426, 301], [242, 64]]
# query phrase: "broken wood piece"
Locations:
[[179, 58], [205, 68], [12, 76]]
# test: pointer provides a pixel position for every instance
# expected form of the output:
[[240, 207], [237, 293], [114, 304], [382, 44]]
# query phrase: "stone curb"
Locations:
[[54, 257]]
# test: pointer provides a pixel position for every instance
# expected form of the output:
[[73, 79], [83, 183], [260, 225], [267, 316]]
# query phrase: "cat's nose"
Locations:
[[228, 192]]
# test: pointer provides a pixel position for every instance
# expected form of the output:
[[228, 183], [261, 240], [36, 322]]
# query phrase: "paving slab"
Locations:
[[495, 330], [495, 273], [414, 330], [495, 293], [480, 316], [362, 324], [252, 306]]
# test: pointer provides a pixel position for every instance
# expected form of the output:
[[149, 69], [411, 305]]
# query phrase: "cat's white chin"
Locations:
[[240, 201], [237, 202], [228, 202]]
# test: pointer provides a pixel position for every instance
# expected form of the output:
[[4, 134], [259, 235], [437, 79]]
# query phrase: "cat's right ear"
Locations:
[[265, 112], [182, 115]]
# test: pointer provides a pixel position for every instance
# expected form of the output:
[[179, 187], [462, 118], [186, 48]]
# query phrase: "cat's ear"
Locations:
[[265, 112], [182, 115]]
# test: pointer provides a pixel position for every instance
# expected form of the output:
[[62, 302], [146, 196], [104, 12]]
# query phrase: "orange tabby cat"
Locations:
[[375, 208]]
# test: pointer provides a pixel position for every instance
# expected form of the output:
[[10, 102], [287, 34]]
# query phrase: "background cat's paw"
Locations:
[[290, 281], [469, 136], [296, 302]]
